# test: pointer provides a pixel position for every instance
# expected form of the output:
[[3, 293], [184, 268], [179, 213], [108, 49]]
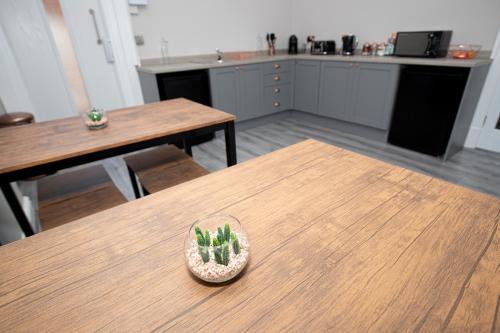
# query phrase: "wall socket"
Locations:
[[139, 40]]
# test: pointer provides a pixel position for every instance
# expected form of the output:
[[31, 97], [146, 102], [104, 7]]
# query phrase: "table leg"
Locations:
[[230, 136], [133, 180], [187, 147], [16, 208]]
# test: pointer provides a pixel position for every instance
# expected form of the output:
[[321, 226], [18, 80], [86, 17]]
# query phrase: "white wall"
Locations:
[[471, 21], [198, 27], [25, 42]]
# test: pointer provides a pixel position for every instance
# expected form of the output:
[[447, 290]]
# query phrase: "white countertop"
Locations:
[[204, 62]]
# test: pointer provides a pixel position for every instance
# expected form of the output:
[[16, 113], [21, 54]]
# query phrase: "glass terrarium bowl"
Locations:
[[216, 248], [95, 118]]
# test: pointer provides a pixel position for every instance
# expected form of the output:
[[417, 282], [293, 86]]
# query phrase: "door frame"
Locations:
[[482, 132]]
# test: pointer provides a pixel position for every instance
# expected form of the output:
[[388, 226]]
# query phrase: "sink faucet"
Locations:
[[220, 56]]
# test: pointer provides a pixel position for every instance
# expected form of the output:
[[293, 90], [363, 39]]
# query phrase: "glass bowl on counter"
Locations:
[[216, 248], [95, 118], [464, 51]]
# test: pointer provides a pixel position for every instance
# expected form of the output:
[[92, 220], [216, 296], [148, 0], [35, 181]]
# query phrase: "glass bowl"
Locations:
[[464, 51], [216, 248], [95, 118]]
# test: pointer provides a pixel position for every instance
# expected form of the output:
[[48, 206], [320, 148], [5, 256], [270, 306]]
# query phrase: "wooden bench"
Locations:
[[68, 196], [160, 168]]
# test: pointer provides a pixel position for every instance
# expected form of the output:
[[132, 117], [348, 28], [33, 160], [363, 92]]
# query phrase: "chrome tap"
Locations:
[[220, 56]]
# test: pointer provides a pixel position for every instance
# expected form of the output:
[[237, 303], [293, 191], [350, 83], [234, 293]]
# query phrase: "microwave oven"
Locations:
[[426, 44]]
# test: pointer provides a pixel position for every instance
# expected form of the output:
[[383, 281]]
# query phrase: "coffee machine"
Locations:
[[349, 44], [293, 45]]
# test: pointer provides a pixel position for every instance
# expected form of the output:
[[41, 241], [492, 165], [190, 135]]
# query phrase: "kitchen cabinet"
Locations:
[[336, 81], [306, 89], [358, 93], [277, 84], [374, 92], [238, 90], [250, 92], [224, 88]]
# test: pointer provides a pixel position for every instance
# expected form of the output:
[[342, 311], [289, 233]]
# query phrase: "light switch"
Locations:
[[139, 39]]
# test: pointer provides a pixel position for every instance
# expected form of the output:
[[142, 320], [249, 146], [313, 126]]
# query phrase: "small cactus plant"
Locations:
[[220, 243], [236, 243], [225, 254], [203, 244]]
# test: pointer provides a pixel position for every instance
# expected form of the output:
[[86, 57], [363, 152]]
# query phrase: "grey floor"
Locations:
[[472, 168]]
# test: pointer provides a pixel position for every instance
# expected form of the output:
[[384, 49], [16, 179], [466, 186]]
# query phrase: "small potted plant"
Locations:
[[217, 248], [96, 118]]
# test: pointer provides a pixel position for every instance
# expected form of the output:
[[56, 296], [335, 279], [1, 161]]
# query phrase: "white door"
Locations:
[[489, 137], [103, 42]]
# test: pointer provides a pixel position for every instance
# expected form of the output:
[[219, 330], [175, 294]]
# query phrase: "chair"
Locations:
[[160, 168], [68, 196]]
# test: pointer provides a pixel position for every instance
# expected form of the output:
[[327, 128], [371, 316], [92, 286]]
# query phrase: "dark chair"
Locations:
[[160, 168]]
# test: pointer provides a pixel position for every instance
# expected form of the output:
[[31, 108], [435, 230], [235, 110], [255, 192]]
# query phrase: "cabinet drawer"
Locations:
[[276, 67], [277, 98], [277, 79]]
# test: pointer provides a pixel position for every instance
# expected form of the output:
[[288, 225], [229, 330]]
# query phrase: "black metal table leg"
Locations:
[[133, 180], [187, 146], [16, 208], [230, 136]]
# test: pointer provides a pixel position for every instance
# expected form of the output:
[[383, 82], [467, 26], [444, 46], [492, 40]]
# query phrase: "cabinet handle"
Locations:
[[277, 78], [237, 68], [277, 90], [276, 104], [277, 66]]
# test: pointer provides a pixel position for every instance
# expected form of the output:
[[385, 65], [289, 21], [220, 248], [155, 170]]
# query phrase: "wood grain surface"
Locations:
[[339, 242], [41, 143]]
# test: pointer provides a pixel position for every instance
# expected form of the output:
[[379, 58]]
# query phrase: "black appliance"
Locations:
[[324, 47], [426, 106], [349, 44], [427, 44], [193, 85], [293, 45]]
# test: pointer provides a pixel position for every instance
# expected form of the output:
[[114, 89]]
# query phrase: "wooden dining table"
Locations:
[[339, 242], [44, 148]]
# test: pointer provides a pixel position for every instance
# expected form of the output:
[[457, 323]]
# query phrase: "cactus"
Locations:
[[225, 254], [204, 253], [227, 232], [200, 240], [220, 235], [236, 243], [220, 244], [217, 251], [207, 238], [198, 233]]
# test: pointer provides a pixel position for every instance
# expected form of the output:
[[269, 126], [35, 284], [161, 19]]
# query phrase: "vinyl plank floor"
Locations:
[[472, 168]]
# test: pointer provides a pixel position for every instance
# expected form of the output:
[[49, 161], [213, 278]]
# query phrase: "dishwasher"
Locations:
[[426, 107], [193, 85]]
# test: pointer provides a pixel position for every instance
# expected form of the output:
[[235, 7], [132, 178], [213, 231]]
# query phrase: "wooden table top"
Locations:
[[339, 242], [41, 143]]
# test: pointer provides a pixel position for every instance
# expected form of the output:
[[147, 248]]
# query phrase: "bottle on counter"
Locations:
[[164, 50], [367, 49], [381, 49], [389, 47]]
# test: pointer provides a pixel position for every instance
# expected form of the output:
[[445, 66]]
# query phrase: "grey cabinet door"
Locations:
[[251, 89], [336, 90], [306, 90], [224, 88], [374, 90]]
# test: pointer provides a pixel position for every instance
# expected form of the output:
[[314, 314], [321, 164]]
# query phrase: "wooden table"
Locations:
[[339, 242], [44, 148]]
